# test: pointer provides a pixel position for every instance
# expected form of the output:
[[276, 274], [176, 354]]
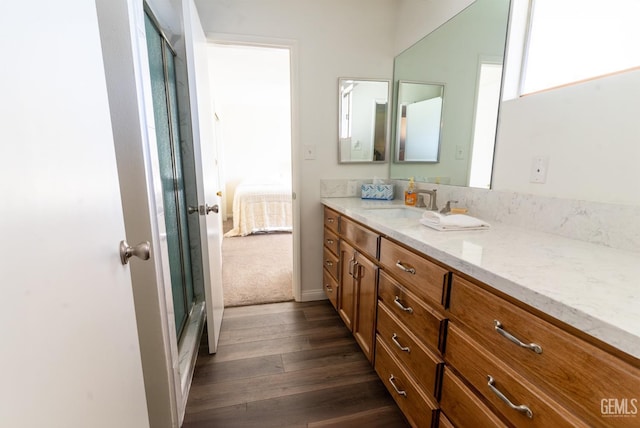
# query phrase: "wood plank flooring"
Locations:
[[287, 365]]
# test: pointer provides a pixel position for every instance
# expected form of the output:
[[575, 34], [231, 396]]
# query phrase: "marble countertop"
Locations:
[[590, 287]]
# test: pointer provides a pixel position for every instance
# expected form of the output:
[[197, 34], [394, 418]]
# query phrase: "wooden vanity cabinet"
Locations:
[[331, 253], [357, 297], [562, 377], [454, 352]]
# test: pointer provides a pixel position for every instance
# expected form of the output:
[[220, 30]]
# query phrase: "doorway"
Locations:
[[251, 89]]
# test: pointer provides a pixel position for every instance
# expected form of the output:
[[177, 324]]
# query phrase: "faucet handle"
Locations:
[[447, 207]]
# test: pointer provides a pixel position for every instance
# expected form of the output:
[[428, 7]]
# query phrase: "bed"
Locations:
[[261, 206]]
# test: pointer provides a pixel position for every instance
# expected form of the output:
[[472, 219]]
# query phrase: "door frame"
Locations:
[[292, 47]]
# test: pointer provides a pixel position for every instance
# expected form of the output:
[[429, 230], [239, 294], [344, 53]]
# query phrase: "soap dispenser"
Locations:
[[410, 195]]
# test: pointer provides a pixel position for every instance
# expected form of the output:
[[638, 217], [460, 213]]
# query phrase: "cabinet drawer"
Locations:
[[331, 219], [491, 377], [331, 241], [462, 407], [421, 276], [576, 373], [363, 239], [424, 322], [414, 403], [330, 263], [330, 286], [423, 365]]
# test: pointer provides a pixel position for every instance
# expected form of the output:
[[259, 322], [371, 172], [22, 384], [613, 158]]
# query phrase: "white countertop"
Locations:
[[591, 287]]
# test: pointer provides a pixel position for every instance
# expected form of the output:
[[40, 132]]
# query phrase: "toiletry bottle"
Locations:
[[410, 195]]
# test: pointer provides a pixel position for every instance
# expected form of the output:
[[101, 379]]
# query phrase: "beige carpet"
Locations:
[[257, 269]]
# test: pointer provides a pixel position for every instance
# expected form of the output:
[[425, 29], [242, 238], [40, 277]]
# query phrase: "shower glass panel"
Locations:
[[165, 108]]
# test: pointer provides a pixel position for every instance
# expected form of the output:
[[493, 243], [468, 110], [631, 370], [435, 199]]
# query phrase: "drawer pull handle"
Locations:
[[401, 306], [410, 270], [329, 288], [399, 391], [402, 348], [328, 262], [330, 220], [330, 241], [532, 346], [352, 264], [521, 408]]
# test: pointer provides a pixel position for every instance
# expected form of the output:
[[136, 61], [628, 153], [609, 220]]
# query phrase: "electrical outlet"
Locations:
[[539, 167]]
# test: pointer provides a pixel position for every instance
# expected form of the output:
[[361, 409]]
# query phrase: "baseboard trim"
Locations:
[[312, 295]]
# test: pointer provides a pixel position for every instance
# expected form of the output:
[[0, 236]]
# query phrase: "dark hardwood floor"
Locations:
[[287, 365]]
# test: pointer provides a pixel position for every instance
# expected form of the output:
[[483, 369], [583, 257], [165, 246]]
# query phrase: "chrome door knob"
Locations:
[[142, 251], [213, 208]]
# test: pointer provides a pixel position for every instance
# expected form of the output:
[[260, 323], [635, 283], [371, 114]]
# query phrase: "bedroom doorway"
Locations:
[[251, 90]]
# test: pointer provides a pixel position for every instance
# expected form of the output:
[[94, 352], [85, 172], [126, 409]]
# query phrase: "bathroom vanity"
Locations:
[[500, 327]]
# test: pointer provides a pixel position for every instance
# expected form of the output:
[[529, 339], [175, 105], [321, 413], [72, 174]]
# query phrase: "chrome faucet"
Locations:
[[433, 206]]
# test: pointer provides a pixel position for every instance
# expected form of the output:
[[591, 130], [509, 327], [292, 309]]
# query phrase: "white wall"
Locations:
[[333, 39], [589, 131]]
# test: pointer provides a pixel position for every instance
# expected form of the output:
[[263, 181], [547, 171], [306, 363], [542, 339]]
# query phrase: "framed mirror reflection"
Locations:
[[419, 122], [364, 120]]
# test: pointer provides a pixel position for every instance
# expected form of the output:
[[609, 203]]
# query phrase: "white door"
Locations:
[[70, 351], [205, 153]]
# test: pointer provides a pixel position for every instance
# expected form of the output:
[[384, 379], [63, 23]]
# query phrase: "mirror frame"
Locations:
[[387, 121], [398, 107]]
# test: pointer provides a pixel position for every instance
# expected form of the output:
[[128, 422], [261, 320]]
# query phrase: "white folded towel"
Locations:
[[439, 221]]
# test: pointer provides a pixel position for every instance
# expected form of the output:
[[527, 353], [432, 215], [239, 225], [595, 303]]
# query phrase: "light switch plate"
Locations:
[[539, 167], [309, 151]]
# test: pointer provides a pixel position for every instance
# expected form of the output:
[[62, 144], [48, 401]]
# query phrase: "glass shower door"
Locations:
[[165, 108]]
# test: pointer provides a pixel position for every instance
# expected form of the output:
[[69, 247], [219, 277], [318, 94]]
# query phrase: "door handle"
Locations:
[[208, 209], [142, 251], [192, 210]]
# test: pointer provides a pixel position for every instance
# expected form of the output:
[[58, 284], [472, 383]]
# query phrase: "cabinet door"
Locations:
[[366, 273], [346, 289]]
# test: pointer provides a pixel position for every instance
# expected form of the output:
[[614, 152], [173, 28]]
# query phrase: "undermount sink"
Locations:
[[395, 212]]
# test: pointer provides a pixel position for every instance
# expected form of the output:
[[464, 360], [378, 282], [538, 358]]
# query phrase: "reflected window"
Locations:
[[484, 133]]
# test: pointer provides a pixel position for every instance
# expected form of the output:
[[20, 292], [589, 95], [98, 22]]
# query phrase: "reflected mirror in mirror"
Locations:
[[419, 121], [465, 55], [363, 126]]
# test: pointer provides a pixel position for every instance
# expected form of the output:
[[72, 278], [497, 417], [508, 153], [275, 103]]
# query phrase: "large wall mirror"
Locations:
[[363, 126], [465, 56]]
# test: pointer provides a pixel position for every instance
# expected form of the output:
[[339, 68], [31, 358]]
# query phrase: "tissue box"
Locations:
[[377, 191]]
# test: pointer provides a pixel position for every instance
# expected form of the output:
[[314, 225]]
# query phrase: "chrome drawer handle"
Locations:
[[329, 288], [402, 348], [532, 346], [330, 220], [410, 270], [330, 241], [521, 408], [328, 262], [399, 391], [401, 306]]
